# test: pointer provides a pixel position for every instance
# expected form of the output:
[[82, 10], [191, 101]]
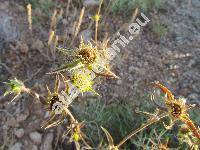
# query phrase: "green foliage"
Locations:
[[117, 117], [159, 29], [129, 5], [120, 119]]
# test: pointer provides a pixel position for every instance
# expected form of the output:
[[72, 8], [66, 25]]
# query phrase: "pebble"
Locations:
[[23, 47], [36, 137], [16, 146], [34, 147], [12, 122], [8, 27], [86, 35], [119, 82], [90, 3], [38, 45], [47, 144], [19, 133], [193, 96], [22, 117]]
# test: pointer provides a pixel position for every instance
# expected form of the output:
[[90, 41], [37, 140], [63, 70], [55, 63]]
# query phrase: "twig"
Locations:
[[78, 25], [97, 22], [29, 12]]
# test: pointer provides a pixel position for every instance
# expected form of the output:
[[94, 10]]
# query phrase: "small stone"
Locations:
[[38, 45], [8, 27], [119, 82], [12, 122], [36, 137], [19, 133], [133, 69], [86, 35], [47, 144], [47, 115], [22, 117], [65, 21], [16, 146], [90, 3], [34, 147], [193, 96], [23, 48], [4, 5]]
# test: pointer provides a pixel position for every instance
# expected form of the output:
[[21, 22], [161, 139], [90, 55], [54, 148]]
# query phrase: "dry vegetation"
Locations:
[[82, 120]]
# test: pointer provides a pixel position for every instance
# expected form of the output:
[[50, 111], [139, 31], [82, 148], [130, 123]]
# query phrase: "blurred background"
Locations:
[[166, 50]]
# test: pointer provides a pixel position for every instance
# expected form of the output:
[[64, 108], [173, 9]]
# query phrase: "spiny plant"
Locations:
[[88, 58]]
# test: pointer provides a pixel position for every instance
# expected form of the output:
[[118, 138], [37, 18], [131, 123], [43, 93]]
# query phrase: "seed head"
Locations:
[[87, 53]]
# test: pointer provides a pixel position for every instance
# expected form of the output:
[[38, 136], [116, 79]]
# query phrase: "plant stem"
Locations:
[[150, 122], [69, 113], [34, 94]]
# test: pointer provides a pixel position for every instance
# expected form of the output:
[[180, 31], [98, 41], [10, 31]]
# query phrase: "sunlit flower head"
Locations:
[[87, 53], [83, 80]]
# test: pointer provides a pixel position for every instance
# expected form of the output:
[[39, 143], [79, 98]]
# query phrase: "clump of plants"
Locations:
[[91, 60], [159, 29]]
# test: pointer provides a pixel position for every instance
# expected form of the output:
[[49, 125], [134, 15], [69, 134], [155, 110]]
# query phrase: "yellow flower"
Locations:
[[76, 137], [96, 17], [83, 80]]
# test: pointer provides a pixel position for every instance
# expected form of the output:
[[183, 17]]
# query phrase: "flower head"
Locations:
[[177, 109], [83, 80], [96, 17], [56, 100], [87, 53], [15, 87]]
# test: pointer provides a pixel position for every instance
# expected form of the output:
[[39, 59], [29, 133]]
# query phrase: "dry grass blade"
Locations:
[[67, 8], [77, 27], [97, 22], [54, 47], [29, 12], [56, 123], [109, 137], [51, 36], [53, 21]]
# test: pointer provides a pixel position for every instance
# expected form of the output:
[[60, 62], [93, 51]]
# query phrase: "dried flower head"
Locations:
[[53, 97], [177, 109], [87, 53], [57, 98]]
